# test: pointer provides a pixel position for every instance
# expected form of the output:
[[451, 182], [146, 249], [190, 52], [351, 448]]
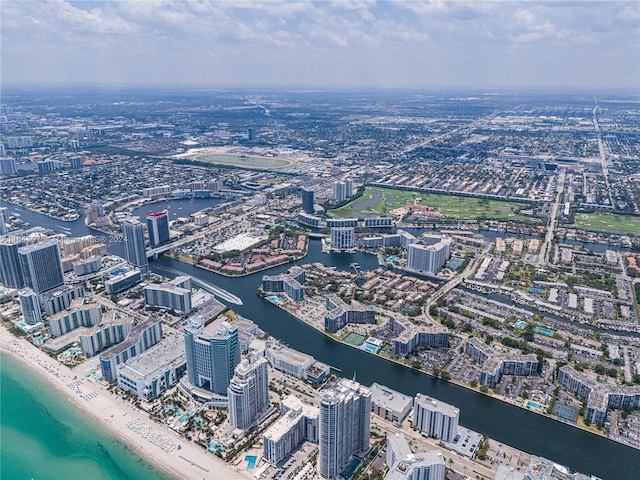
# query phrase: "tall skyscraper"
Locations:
[[434, 418], [158, 226], [10, 270], [30, 306], [248, 393], [134, 248], [41, 265], [345, 419], [307, 200], [212, 354], [3, 220]]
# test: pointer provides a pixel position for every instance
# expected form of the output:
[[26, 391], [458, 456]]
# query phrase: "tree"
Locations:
[[445, 375], [599, 369], [474, 383]]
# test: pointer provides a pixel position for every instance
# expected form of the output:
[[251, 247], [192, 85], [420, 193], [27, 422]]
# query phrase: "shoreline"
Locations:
[[154, 442], [454, 381]]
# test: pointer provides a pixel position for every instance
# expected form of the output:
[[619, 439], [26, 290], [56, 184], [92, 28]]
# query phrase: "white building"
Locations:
[[428, 258], [435, 419], [168, 295], [78, 315], [389, 404], [342, 238], [151, 373], [248, 393], [30, 306], [298, 423], [345, 418], [404, 465]]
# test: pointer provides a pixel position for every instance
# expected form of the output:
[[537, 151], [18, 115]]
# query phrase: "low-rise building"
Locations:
[[291, 283], [495, 365], [340, 314], [389, 404]]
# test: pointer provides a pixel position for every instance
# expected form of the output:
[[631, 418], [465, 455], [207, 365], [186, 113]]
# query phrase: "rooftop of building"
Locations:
[[433, 404], [388, 398], [403, 469], [166, 354], [289, 354]]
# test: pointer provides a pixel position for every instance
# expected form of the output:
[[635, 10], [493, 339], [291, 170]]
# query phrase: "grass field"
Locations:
[[380, 201], [608, 222], [254, 162]]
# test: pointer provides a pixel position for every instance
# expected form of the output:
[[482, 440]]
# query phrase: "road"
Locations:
[[451, 284], [603, 154], [453, 460], [543, 258]]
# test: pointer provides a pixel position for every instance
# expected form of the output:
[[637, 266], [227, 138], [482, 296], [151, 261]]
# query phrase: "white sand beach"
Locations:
[[156, 442]]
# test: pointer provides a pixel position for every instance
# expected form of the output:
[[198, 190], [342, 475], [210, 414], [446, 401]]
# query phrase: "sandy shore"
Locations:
[[156, 442]]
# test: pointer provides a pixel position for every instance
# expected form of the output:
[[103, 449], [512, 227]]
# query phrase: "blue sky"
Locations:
[[340, 44]]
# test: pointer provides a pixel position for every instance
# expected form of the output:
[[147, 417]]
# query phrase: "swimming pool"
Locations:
[[184, 417], [251, 461], [215, 447], [371, 348], [535, 406]]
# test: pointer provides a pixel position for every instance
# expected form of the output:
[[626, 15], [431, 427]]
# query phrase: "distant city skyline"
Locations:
[[356, 44]]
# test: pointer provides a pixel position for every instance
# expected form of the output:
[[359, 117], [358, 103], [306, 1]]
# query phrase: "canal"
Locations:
[[505, 423]]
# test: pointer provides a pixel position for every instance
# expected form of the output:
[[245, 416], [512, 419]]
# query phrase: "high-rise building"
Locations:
[[158, 226], [428, 258], [340, 191], [307, 200], [77, 162], [248, 393], [345, 419], [41, 265], [348, 185], [298, 423], [212, 354], [342, 238], [134, 248], [30, 306], [7, 166], [3, 220], [434, 418], [170, 296]]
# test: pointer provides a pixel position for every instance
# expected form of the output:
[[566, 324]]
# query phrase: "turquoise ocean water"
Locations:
[[42, 436]]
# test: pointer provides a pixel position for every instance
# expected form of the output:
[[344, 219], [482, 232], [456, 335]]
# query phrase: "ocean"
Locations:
[[42, 436]]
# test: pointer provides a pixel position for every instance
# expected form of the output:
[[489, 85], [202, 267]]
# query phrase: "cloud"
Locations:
[[316, 43]]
